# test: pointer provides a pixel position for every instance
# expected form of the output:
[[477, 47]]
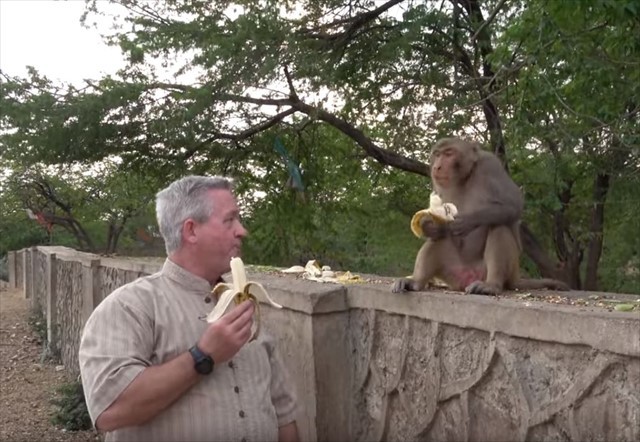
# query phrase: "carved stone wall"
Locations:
[[113, 277], [438, 366], [39, 299], [26, 270], [417, 380], [369, 365], [69, 309], [19, 272]]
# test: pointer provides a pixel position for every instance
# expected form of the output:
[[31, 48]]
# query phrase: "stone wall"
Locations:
[[372, 366], [69, 309]]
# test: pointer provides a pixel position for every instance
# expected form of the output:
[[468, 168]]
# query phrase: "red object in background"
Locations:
[[43, 221]]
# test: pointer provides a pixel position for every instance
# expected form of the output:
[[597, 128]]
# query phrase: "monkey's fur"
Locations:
[[478, 252]]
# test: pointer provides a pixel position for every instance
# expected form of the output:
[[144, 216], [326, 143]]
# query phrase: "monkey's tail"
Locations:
[[542, 283]]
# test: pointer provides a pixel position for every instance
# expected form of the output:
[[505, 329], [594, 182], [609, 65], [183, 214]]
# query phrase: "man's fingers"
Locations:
[[245, 318], [233, 314]]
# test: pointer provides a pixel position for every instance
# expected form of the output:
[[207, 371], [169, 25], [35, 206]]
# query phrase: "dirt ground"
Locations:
[[26, 385]]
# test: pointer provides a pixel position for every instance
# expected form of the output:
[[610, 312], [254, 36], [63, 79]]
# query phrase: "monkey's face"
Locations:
[[444, 166]]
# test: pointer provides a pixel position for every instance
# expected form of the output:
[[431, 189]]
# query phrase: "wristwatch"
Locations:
[[203, 363]]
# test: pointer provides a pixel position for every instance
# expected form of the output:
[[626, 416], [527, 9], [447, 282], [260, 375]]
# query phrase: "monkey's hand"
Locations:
[[239, 291], [432, 229], [461, 226], [438, 213]]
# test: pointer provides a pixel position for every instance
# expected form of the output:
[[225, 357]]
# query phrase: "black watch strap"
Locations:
[[202, 362]]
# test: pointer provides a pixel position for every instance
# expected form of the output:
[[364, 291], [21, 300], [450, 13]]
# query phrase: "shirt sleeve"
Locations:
[[283, 393], [116, 346]]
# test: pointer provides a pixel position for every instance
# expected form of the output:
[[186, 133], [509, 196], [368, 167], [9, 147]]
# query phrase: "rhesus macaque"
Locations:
[[479, 251]]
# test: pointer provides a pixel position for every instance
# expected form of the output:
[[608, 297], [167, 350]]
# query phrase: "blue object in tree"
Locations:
[[295, 177]]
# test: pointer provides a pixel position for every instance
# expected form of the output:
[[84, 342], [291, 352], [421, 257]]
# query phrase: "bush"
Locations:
[[71, 413]]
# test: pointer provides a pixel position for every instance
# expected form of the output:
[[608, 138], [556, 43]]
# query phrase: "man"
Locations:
[[154, 370]]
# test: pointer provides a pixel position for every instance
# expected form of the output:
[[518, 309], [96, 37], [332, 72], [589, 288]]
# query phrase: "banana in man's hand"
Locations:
[[237, 292]]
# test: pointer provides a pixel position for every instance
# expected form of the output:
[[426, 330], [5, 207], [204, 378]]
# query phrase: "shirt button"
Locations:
[[230, 364], [207, 300], [241, 413], [236, 389], [244, 439]]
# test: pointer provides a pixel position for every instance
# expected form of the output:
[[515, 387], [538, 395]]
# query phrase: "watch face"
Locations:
[[203, 363], [204, 366]]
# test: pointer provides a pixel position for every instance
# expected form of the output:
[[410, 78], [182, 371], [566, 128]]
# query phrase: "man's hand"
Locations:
[[288, 433], [225, 337]]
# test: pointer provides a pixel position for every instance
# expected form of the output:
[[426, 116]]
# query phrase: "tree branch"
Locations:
[[381, 155], [248, 133], [488, 20], [354, 22]]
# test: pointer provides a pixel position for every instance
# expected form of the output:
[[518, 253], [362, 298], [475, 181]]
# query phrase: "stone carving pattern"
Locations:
[[40, 283], [111, 278], [416, 380], [69, 311]]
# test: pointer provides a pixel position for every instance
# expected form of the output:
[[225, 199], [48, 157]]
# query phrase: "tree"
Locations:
[[576, 97], [92, 206], [211, 86]]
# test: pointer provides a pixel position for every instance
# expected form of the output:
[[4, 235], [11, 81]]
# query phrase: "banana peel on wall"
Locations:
[[313, 271], [438, 211]]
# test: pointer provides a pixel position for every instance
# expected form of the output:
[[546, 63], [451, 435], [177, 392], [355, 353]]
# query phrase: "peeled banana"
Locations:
[[438, 211], [237, 292]]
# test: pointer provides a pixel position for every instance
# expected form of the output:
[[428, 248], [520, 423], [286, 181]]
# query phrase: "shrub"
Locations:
[[71, 413]]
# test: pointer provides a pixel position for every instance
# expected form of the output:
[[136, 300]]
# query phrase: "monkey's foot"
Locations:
[[482, 288], [405, 285]]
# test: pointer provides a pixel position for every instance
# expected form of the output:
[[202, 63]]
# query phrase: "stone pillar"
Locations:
[[333, 356], [52, 300], [312, 335], [26, 269], [11, 262], [32, 279], [91, 288]]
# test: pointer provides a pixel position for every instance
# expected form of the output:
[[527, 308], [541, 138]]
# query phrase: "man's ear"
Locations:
[[189, 231]]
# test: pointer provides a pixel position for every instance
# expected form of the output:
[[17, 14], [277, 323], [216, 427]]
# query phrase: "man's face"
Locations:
[[220, 237]]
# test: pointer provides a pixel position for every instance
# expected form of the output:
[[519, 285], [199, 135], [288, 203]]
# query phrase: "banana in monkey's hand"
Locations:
[[438, 211], [240, 291]]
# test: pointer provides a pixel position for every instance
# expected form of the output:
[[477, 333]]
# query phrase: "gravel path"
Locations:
[[26, 385]]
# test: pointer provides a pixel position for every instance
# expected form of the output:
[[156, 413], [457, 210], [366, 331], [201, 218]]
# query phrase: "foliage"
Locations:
[[355, 92], [71, 411], [86, 207]]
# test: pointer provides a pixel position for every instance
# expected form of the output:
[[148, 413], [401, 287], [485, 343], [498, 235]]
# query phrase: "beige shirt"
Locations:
[[156, 318]]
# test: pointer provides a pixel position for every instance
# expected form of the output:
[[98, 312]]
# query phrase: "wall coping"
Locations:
[[531, 319]]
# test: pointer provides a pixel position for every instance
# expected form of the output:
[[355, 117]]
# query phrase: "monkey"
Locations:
[[479, 251]]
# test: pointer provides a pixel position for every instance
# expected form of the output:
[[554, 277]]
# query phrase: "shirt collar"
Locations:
[[186, 278]]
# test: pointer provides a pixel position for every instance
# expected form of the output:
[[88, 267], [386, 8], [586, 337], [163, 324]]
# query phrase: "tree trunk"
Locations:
[[548, 267], [113, 237], [594, 251]]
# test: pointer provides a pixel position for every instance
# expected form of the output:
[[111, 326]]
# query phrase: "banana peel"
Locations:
[[438, 211], [237, 292]]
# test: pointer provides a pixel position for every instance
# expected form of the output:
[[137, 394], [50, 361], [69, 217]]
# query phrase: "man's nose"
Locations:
[[242, 231]]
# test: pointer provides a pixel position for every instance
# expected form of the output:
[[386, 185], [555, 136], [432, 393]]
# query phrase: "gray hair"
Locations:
[[183, 199]]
